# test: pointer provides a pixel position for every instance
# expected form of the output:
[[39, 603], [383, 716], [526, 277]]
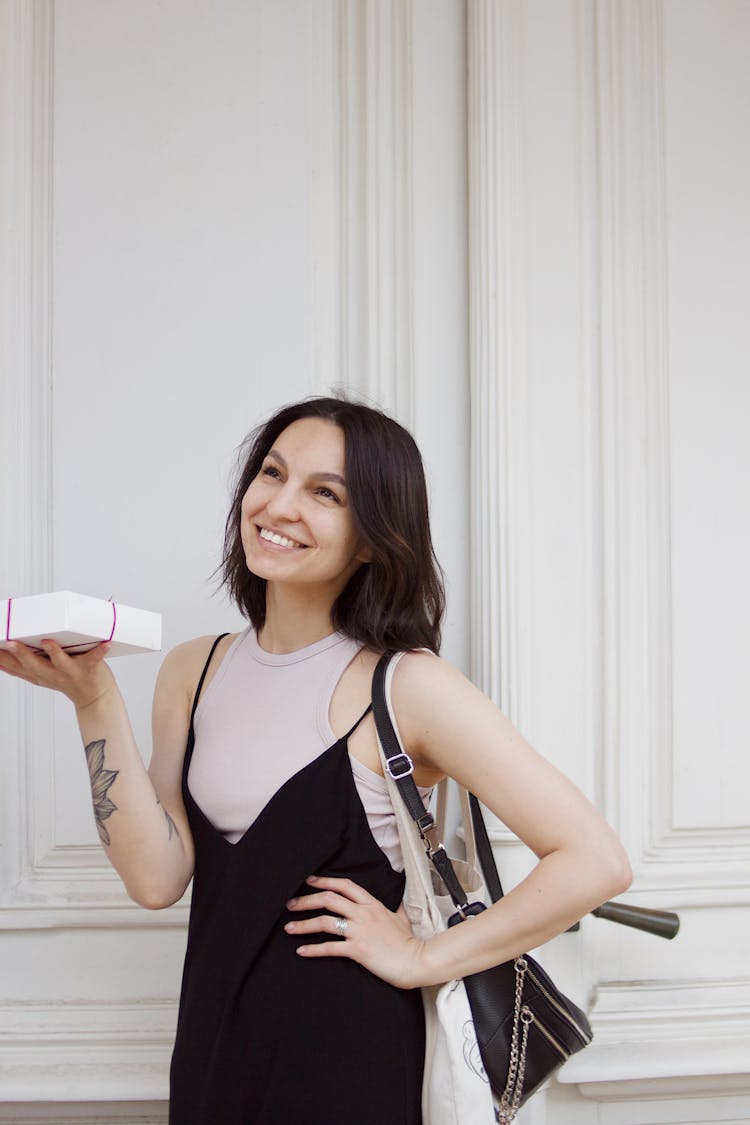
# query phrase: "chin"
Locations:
[[255, 567]]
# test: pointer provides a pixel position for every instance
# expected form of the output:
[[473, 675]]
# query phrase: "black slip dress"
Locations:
[[264, 1036]]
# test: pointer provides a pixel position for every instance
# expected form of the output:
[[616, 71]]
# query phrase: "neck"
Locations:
[[295, 618]]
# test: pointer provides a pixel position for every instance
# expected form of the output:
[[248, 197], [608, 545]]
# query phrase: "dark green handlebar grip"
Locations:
[[662, 923]]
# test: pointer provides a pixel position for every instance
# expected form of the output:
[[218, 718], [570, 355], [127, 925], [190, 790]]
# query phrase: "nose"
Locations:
[[284, 504]]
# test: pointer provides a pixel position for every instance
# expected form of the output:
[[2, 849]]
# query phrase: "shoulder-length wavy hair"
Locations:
[[395, 601]]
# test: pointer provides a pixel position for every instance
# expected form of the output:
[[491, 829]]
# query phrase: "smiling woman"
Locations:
[[367, 469], [266, 788], [293, 526]]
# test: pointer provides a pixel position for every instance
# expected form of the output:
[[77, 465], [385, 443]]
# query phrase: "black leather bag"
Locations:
[[525, 1027]]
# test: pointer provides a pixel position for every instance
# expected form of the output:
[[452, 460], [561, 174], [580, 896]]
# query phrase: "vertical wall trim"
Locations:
[[372, 294], [496, 338], [637, 633], [388, 185], [25, 419], [589, 330], [497, 360], [635, 442], [42, 884], [327, 195]]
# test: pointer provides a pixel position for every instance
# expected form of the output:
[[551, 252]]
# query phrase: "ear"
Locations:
[[364, 555]]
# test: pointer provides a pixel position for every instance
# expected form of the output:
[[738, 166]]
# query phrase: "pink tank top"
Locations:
[[263, 718]]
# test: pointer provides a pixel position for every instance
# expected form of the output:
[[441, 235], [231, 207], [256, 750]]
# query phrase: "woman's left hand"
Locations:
[[375, 936]]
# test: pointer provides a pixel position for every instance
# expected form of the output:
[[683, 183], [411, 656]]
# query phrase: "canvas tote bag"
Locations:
[[455, 1090]]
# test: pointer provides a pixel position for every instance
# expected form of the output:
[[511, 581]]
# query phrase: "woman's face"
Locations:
[[297, 524]]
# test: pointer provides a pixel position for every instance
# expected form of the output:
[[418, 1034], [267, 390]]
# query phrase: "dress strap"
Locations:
[[203, 675], [364, 715]]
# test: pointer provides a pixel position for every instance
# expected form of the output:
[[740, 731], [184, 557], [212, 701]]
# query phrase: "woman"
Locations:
[[300, 991]]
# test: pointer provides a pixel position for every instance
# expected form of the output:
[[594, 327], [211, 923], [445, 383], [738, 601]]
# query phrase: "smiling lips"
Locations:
[[279, 540]]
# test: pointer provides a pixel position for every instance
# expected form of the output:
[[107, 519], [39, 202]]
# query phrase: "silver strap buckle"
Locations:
[[401, 772]]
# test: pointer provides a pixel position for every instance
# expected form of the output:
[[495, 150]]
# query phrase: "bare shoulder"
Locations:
[[441, 714], [181, 669], [421, 679], [173, 699], [418, 676], [185, 662]]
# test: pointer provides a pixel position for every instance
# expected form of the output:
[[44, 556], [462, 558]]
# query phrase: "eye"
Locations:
[[270, 471], [328, 494]]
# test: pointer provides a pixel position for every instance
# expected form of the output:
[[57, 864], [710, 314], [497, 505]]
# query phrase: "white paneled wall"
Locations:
[[207, 210], [519, 224], [608, 148]]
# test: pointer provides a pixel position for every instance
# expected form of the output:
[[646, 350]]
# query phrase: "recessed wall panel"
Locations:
[[707, 111]]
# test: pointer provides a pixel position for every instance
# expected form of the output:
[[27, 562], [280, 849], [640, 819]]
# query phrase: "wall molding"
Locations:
[[115, 1052], [497, 324], [78, 1113], [43, 883], [624, 332], [363, 341], [508, 490], [388, 182], [26, 419], [636, 625], [365, 290], [328, 315], [687, 1035], [635, 441]]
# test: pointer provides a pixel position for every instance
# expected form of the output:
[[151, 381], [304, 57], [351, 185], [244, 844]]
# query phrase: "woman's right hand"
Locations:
[[84, 678]]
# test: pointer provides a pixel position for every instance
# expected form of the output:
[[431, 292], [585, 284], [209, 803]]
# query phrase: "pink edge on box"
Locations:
[[109, 638], [114, 623]]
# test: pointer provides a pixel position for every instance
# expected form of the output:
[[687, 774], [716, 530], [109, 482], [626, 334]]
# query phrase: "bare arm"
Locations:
[[449, 727], [456, 730], [139, 815]]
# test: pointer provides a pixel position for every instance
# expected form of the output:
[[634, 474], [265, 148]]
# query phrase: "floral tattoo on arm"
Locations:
[[170, 823], [101, 782]]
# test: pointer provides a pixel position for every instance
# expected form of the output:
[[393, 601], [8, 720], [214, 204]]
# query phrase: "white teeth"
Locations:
[[280, 540]]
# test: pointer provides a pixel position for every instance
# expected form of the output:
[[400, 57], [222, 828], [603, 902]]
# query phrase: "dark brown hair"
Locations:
[[395, 601]]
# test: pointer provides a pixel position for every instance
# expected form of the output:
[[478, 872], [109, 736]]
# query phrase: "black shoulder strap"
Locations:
[[203, 676], [361, 719], [400, 767], [484, 851]]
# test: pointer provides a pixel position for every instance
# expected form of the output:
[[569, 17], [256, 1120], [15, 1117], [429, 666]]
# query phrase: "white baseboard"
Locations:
[[83, 1053], [662, 1038], [84, 1113]]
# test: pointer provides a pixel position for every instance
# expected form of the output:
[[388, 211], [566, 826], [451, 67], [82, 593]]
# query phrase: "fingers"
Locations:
[[8, 663], [345, 887], [326, 949], [24, 662], [322, 924], [33, 664], [377, 938], [340, 896], [67, 661], [343, 898], [337, 904], [52, 667], [56, 656], [326, 924]]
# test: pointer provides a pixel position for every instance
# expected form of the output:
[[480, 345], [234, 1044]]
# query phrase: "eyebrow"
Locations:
[[318, 476]]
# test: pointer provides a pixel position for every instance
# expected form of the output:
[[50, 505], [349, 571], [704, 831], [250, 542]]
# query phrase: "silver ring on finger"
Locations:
[[342, 925]]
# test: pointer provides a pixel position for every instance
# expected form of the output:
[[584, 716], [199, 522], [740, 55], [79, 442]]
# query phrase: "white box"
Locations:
[[78, 623]]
